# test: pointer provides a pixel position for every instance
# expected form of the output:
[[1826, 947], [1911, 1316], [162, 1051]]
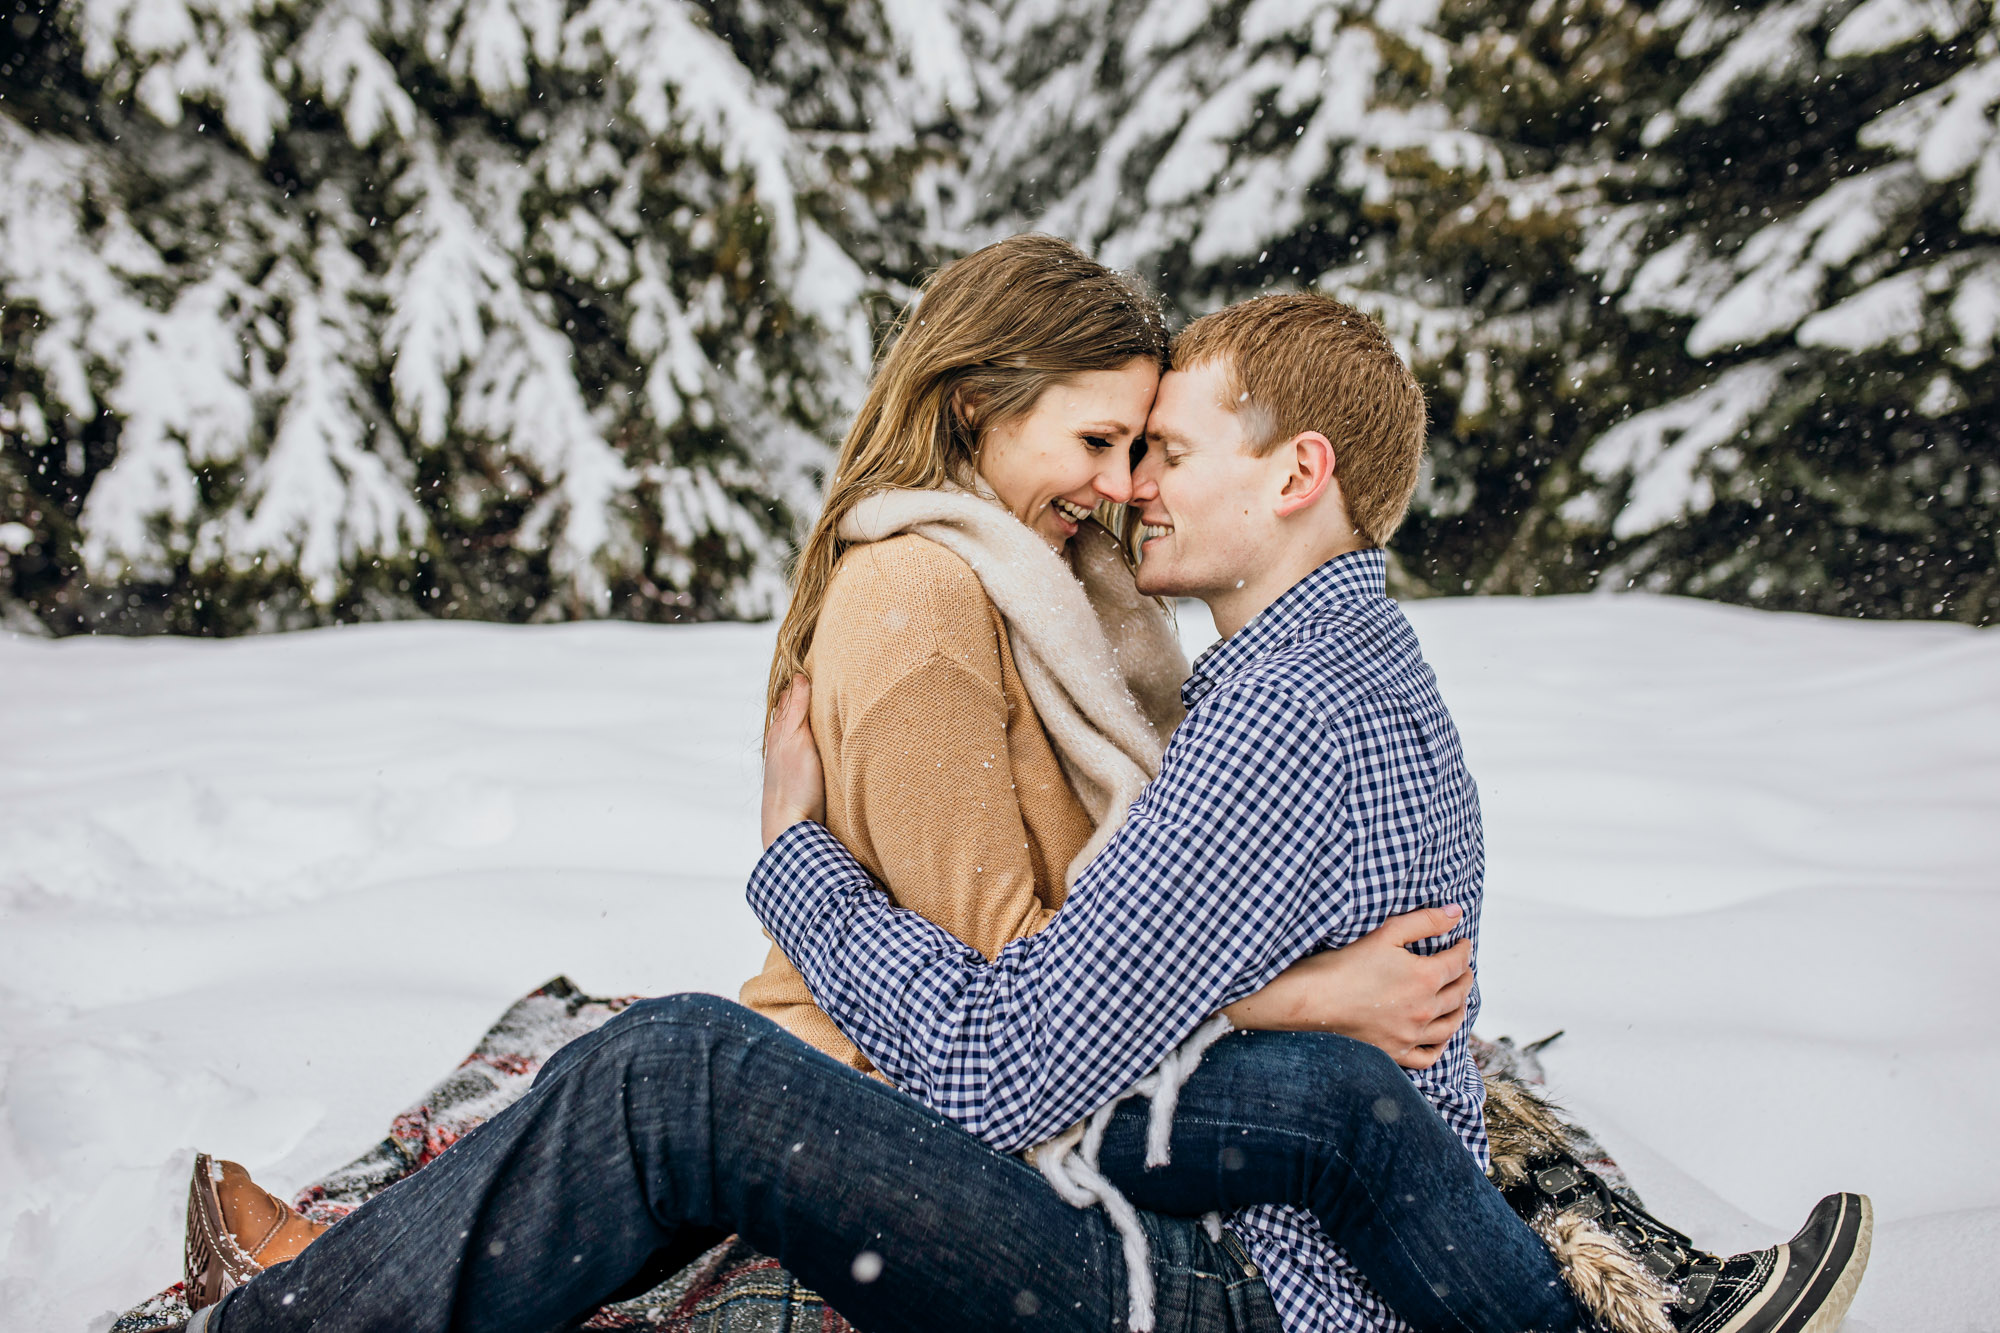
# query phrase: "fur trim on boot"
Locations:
[[1520, 1126], [1612, 1285]]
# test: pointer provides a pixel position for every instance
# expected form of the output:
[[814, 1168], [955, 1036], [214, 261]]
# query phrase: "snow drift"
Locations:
[[258, 893]]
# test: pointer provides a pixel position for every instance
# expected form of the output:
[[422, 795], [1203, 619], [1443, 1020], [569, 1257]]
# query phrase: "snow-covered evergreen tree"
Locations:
[[1817, 234], [325, 309], [1627, 246]]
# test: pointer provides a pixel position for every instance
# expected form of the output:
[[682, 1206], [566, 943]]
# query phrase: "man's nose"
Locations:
[[1145, 479]]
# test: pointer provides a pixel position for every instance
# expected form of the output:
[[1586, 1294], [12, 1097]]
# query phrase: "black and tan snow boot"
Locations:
[[1631, 1272], [1802, 1286]]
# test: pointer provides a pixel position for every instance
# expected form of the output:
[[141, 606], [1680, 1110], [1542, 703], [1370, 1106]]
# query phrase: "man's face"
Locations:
[[1205, 501]]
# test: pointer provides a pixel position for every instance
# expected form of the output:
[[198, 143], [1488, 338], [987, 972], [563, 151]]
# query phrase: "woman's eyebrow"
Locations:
[[1110, 428]]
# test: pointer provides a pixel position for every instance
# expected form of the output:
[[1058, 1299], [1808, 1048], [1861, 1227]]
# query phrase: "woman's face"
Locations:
[[1072, 449]]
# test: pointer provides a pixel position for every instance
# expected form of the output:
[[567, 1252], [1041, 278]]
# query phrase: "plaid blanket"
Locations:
[[730, 1289]]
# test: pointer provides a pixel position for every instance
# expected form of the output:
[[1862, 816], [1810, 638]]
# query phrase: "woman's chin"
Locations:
[[1055, 530]]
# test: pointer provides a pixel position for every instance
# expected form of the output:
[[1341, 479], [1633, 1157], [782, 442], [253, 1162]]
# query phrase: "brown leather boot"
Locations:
[[235, 1230]]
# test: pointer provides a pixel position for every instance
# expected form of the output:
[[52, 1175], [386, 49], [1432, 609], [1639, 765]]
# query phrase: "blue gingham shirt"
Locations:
[[1316, 788]]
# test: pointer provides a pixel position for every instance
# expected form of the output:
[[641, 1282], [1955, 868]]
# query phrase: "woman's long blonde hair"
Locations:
[[988, 335]]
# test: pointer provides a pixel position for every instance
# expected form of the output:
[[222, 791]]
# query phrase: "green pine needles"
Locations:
[[324, 310]]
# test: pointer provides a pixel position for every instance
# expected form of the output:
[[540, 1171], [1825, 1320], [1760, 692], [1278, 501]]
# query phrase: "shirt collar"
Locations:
[[1344, 578]]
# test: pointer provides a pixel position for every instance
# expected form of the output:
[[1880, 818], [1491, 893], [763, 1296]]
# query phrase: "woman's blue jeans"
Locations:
[[688, 1118]]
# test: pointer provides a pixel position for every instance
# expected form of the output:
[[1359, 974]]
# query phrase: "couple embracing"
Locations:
[[1022, 863]]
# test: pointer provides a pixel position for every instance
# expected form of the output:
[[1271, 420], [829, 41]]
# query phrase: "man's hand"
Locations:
[[1374, 990], [794, 783]]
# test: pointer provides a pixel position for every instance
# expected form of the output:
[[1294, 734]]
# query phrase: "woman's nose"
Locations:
[[1114, 478]]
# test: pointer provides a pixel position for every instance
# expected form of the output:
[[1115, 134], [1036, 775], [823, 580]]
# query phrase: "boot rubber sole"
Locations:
[[213, 1264], [1823, 1299], [1844, 1283]]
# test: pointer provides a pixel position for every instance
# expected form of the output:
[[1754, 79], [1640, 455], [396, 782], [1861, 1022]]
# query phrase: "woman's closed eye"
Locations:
[[1096, 442]]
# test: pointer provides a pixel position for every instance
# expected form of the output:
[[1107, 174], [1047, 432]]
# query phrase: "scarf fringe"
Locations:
[[1069, 1161]]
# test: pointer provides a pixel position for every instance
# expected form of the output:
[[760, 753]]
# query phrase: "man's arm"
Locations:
[[1234, 864], [1375, 990]]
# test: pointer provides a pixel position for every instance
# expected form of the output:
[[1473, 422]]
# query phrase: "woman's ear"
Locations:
[[965, 408]]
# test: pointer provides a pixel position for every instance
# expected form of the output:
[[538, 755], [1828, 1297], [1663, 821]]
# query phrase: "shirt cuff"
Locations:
[[797, 877]]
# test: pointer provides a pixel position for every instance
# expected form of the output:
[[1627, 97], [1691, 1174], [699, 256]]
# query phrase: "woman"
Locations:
[[989, 691], [973, 701]]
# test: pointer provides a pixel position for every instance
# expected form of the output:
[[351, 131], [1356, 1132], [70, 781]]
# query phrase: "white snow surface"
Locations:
[[256, 895]]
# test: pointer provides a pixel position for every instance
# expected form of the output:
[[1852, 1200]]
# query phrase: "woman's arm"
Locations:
[[910, 700], [928, 784]]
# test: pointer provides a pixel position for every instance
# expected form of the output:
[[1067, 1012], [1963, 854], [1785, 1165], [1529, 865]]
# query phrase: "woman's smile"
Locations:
[[1072, 450], [1071, 510]]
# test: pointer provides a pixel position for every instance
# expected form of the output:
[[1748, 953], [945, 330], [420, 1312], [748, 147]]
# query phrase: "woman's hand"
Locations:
[[794, 783], [1374, 990]]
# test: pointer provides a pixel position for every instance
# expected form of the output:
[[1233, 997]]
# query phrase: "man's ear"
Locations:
[[1310, 455]]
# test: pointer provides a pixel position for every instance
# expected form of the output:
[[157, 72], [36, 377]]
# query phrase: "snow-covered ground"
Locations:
[[255, 895]]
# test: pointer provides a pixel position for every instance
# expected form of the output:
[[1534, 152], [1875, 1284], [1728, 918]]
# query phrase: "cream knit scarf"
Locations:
[[1103, 668], [1101, 663]]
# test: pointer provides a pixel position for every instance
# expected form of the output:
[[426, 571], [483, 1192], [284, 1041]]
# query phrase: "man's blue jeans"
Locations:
[[688, 1118]]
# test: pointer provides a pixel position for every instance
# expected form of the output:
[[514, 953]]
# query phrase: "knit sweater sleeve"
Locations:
[[913, 727]]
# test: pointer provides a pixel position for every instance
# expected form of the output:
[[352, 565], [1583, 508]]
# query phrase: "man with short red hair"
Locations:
[[1315, 790]]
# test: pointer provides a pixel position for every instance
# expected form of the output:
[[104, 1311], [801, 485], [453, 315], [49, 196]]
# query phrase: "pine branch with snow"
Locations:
[[1589, 224], [510, 308]]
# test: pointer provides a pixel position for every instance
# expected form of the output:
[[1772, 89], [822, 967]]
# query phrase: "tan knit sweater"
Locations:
[[939, 777]]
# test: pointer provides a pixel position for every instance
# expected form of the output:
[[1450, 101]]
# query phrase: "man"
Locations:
[[1315, 789]]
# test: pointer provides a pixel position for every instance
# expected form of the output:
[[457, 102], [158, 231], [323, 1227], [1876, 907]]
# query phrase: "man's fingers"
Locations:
[[1420, 1057], [791, 712], [781, 716], [1421, 924], [1439, 1030], [1451, 965], [1452, 995]]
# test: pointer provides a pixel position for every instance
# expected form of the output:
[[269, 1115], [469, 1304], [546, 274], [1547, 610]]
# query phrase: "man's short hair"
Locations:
[[1302, 361]]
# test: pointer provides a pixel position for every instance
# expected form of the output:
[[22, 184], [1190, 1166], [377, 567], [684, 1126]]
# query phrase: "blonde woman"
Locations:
[[990, 692], [974, 640]]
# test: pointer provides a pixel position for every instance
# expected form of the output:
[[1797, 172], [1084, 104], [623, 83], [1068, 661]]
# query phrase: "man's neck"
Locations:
[[1233, 608]]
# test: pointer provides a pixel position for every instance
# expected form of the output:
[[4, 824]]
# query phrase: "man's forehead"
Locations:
[[1184, 396]]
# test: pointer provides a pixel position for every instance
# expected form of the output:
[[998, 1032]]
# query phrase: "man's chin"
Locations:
[[1155, 582]]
